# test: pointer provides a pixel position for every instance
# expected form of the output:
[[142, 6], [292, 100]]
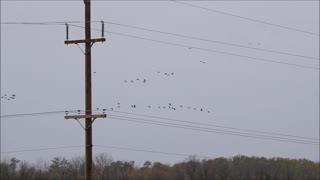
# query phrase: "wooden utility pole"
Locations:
[[89, 118], [88, 88]]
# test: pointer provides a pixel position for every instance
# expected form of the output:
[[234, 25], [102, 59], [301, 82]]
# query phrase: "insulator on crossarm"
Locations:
[[102, 28], [67, 31]]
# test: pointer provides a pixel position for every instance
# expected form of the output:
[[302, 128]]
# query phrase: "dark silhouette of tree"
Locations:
[[159, 171], [192, 166], [60, 168], [26, 171], [77, 167], [235, 168], [103, 166]]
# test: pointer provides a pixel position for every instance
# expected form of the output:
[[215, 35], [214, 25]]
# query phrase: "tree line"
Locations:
[[192, 168]]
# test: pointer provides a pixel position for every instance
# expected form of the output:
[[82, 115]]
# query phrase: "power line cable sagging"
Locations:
[[39, 113], [189, 125], [218, 131], [146, 151], [212, 41], [40, 149], [72, 23], [206, 50], [213, 125], [99, 146], [246, 18]]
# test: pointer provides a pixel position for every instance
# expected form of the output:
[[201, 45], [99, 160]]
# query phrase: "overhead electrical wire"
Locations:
[[167, 33], [211, 41], [193, 128], [245, 18], [40, 149], [42, 23], [227, 14], [164, 118], [36, 114], [100, 146], [147, 151], [212, 129], [213, 125], [204, 49]]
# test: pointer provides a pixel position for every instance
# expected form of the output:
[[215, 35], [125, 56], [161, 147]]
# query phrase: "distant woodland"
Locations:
[[192, 168]]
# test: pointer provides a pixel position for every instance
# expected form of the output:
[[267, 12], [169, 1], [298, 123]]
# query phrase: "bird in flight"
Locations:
[[7, 97]]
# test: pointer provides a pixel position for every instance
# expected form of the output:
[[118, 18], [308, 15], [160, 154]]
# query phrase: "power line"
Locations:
[[163, 32], [211, 41], [242, 17], [39, 23], [198, 48], [174, 125], [228, 131], [213, 125], [37, 113], [41, 149], [147, 151], [204, 49], [45, 22], [214, 51], [217, 130], [157, 117], [101, 146]]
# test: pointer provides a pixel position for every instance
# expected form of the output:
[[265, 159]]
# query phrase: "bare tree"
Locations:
[[192, 166], [103, 166], [4, 167], [76, 166], [42, 170], [26, 170], [13, 167]]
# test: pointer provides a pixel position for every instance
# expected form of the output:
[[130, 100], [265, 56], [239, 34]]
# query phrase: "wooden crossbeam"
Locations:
[[84, 41], [86, 116]]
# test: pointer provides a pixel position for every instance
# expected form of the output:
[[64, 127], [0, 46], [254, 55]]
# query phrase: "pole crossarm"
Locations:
[[93, 116], [84, 41]]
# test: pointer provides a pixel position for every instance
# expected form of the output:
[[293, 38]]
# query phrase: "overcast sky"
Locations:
[[47, 75]]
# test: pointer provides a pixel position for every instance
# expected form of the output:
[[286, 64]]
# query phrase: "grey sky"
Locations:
[[47, 75]]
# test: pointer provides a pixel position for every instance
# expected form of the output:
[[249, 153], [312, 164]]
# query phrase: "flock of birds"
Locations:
[[169, 106], [166, 74], [143, 80], [173, 107], [8, 97], [136, 80]]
